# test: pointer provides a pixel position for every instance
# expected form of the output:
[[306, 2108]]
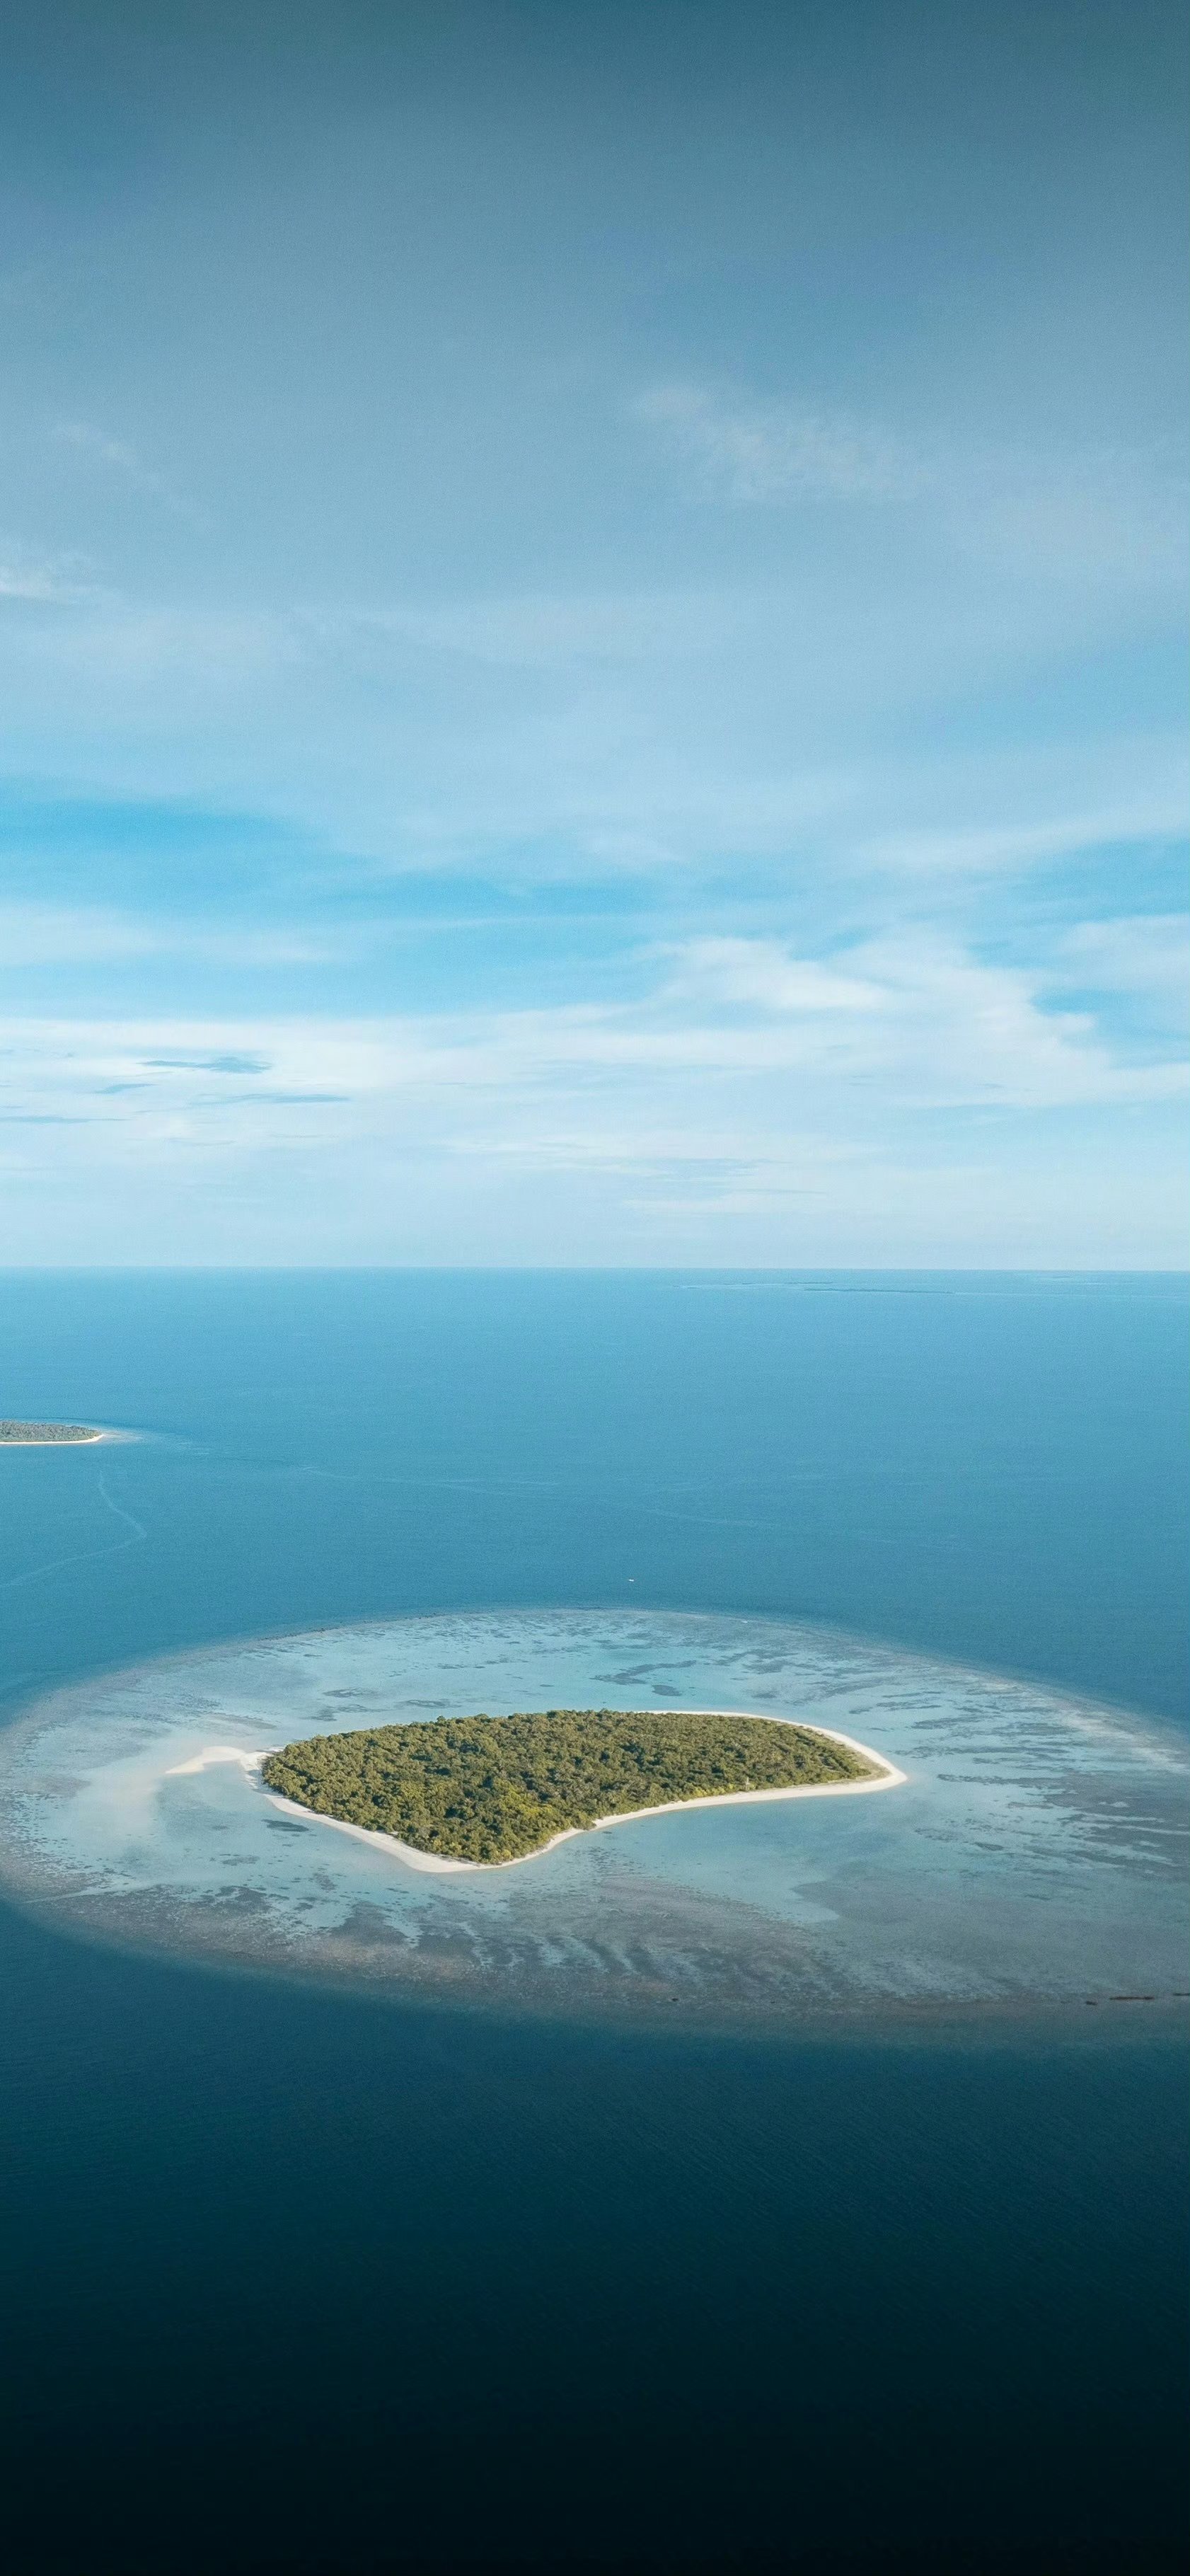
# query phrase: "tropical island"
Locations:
[[492, 1789], [17, 1435]]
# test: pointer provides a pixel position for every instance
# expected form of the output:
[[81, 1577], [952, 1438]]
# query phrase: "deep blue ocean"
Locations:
[[297, 2277]]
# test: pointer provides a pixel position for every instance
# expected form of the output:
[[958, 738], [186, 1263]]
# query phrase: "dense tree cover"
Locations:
[[40, 1432], [493, 1788]]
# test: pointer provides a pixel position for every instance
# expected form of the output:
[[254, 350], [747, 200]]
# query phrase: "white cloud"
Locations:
[[926, 1023], [740, 1035], [754, 1106], [762, 972], [960, 1032]]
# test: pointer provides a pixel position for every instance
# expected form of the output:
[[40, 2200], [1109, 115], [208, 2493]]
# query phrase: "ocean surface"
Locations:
[[793, 2185]]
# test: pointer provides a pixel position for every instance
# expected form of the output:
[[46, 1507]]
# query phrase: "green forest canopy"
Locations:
[[38, 1433], [493, 1788]]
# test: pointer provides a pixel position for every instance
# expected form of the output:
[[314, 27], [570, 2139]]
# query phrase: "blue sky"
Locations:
[[592, 634]]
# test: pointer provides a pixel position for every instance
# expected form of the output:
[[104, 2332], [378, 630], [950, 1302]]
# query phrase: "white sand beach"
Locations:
[[77, 1439]]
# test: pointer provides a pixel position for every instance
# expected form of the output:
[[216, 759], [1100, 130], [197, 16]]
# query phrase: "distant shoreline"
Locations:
[[436, 1864]]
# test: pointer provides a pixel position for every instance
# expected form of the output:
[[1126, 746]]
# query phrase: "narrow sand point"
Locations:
[[52, 1435]]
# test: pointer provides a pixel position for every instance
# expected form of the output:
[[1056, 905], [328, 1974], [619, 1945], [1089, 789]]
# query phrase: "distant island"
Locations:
[[492, 1789], [15, 1435]]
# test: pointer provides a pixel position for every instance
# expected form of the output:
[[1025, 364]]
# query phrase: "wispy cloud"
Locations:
[[762, 974], [220, 1060], [585, 731], [40, 934], [751, 451], [97, 447], [546, 631], [1096, 514], [749, 1085], [911, 1021], [974, 849], [1147, 955], [929, 1023], [44, 581], [96, 444], [1101, 517]]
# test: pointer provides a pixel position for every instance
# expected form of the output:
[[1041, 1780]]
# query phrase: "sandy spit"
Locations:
[[90, 1440]]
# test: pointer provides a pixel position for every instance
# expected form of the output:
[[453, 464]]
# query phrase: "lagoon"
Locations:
[[289, 2232]]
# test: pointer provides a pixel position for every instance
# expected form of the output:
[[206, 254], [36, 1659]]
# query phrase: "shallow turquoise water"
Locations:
[[347, 2218], [1035, 1852]]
